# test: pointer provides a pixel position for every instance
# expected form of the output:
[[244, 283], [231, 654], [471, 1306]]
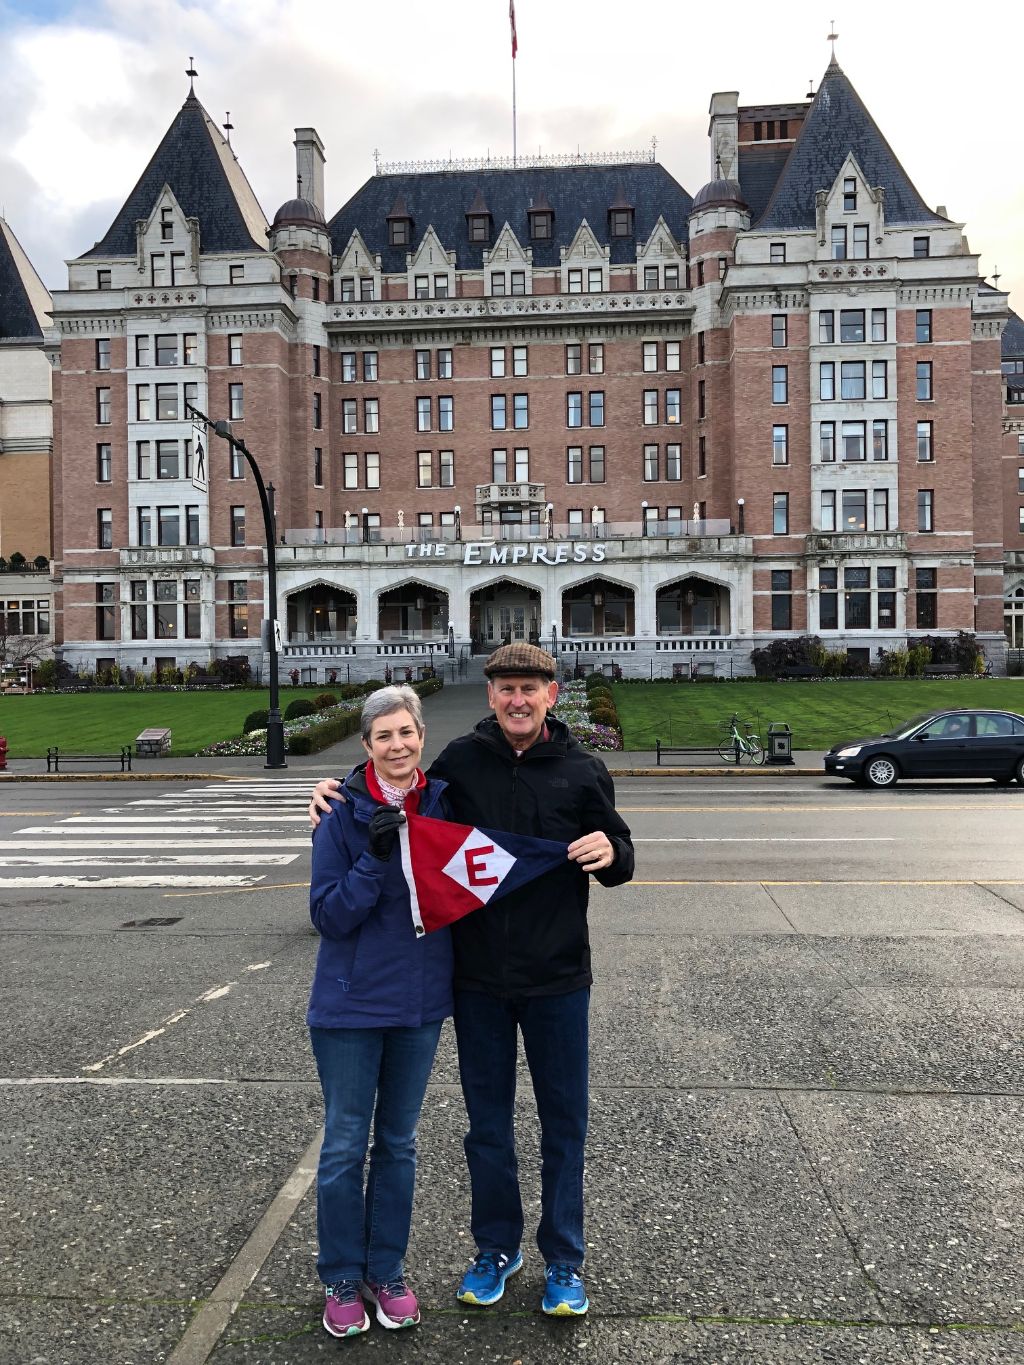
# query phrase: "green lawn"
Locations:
[[100, 723], [819, 713]]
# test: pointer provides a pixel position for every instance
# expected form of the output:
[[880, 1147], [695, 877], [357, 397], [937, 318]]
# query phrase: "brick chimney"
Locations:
[[309, 166], [723, 130]]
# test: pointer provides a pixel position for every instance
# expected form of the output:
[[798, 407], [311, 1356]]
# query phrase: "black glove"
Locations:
[[384, 825]]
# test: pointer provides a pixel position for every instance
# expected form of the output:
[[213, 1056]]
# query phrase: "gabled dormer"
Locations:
[[850, 217], [508, 266], [660, 261], [167, 244], [400, 223], [541, 219], [621, 215], [479, 223], [585, 263], [431, 269], [357, 272]]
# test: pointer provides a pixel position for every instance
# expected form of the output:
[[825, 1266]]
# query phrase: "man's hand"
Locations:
[[330, 786], [383, 831], [592, 851]]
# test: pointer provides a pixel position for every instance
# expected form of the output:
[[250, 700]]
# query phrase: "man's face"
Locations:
[[520, 702]]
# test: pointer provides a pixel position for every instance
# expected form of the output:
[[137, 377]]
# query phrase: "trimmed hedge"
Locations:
[[323, 700], [256, 720], [337, 728], [298, 708]]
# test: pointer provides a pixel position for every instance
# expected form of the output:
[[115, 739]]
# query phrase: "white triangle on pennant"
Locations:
[[480, 865]]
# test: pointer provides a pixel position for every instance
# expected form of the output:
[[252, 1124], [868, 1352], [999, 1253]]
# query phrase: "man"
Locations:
[[523, 966]]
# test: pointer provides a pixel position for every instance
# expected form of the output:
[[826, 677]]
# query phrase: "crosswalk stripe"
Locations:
[[11, 845], [124, 831], [180, 819], [108, 859], [137, 883]]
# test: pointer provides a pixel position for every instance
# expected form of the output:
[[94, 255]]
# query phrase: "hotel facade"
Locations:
[[566, 402]]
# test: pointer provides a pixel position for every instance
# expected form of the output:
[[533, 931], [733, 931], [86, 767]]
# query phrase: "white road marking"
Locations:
[[72, 883], [11, 844], [107, 859], [121, 1080], [811, 839], [180, 819], [214, 993], [194, 834]]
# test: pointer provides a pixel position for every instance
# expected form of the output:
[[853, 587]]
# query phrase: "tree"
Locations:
[[17, 651]]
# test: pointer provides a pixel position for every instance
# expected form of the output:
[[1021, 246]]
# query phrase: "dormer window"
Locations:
[[480, 227], [166, 224], [541, 224], [849, 194], [620, 220], [399, 231]]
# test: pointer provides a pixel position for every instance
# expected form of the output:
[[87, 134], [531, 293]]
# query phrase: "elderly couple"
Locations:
[[380, 994]]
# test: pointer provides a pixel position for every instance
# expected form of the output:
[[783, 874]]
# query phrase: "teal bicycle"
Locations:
[[737, 747]]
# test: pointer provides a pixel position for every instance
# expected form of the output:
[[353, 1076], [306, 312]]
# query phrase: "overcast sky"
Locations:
[[90, 89]]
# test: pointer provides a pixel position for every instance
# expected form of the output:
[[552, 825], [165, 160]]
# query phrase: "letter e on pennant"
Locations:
[[476, 866]]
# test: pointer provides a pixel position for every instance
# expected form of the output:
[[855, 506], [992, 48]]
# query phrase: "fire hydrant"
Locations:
[[3, 752]]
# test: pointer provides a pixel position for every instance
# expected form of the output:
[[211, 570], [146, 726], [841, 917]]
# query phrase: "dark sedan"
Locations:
[[936, 744]]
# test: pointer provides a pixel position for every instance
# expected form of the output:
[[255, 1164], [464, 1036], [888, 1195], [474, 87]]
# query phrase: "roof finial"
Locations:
[[833, 37], [995, 277], [718, 166], [654, 146], [227, 125], [298, 185], [191, 73], [376, 161]]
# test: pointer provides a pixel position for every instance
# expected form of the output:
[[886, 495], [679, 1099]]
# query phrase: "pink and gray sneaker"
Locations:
[[344, 1311], [395, 1303]]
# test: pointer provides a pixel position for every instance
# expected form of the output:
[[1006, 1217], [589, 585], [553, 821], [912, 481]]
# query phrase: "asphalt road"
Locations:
[[807, 1085]]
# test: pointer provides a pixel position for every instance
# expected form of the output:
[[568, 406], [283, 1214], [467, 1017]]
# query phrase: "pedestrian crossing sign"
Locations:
[[199, 474]]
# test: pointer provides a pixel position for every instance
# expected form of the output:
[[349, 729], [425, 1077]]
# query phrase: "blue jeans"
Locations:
[[554, 1029], [379, 1075]]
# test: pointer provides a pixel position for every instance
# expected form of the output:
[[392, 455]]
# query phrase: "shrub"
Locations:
[[770, 660], [41, 562], [46, 673], [917, 656], [348, 691], [594, 680], [328, 732], [833, 663], [17, 561], [299, 707], [323, 700], [168, 676], [428, 686], [256, 720], [894, 663], [370, 685], [603, 715]]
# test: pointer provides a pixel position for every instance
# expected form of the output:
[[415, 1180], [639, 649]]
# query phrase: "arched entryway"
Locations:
[[693, 606], [1013, 618], [321, 614], [598, 609], [413, 611], [503, 612]]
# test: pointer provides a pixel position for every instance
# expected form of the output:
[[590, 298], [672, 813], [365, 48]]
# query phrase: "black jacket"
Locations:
[[533, 941]]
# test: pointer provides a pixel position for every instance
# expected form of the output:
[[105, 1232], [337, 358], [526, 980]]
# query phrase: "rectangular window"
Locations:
[[780, 514], [595, 405], [103, 407], [166, 350], [318, 467], [350, 415], [103, 279], [497, 362], [780, 329], [595, 357], [142, 459], [373, 469], [236, 274], [723, 266], [238, 609], [166, 402], [827, 381], [780, 445], [168, 525], [365, 290], [574, 464], [827, 442], [521, 456], [105, 528], [236, 464], [422, 365], [880, 440], [317, 371], [672, 355], [497, 284], [700, 273], [521, 411], [499, 413], [105, 610], [517, 282], [855, 509], [574, 358], [880, 509], [701, 348], [238, 526], [650, 464], [782, 599], [857, 598], [861, 249], [780, 383], [143, 407], [158, 277], [177, 267], [318, 412], [851, 324], [597, 464], [445, 413], [422, 414], [926, 508], [370, 365], [826, 326], [574, 409], [922, 247], [236, 403], [595, 280], [520, 361], [879, 327], [316, 288], [167, 459], [650, 356], [350, 469], [104, 468], [702, 457], [191, 525], [144, 517], [499, 466], [838, 240], [142, 352], [348, 289], [849, 194], [702, 398], [671, 277], [371, 415], [879, 379], [424, 468], [777, 253], [828, 509], [673, 406], [103, 353], [348, 367], [924, 381], [926, 585], [651, 277], [852, 379], [853, 439], [923, 325], [828, 599], [673, 462], [421, 287], [440, 286], [575, 281], [650, 407]]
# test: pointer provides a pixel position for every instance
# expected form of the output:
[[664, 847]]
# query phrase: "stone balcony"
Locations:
[[856, 542], [166, 557], [511, 494]]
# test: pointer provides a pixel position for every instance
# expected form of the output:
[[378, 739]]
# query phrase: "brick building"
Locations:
[[567, 402]]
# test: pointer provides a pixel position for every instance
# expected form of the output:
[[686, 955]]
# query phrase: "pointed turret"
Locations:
[[24, 301]]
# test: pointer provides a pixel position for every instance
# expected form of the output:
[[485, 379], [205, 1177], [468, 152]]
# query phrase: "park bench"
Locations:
[[941, 670], [679, 750], [799, 671], [55, 757]]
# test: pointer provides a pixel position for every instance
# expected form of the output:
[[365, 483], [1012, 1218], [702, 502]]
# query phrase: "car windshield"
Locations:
[[909, 726]]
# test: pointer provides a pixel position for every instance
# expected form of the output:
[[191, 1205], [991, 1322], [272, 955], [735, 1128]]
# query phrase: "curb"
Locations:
[[733, 772], [114, 777]]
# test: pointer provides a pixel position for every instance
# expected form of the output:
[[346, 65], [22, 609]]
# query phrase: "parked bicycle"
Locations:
[[737, 747]]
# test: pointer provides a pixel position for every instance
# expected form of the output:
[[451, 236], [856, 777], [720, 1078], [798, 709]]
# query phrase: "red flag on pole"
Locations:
[[453, 869], [512, 22]]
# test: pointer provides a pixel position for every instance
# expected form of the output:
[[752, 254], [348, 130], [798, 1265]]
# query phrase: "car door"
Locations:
[[941, 749], [993, 747]]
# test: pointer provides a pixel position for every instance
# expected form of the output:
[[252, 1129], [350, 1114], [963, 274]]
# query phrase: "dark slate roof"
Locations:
[[837, 124], [1015, 382], [196, 162], [18, 317], [442, 198], [1013, 338], [761, 165], [722, 192]]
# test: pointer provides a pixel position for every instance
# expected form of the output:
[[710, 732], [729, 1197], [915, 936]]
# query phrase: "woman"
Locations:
[[379, 998]]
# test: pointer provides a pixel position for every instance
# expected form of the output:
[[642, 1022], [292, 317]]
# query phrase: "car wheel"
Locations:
[[881, 771], [1018, 772]]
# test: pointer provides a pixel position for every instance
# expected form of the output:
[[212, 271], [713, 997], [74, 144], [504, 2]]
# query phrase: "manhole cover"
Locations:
[[154, 922]]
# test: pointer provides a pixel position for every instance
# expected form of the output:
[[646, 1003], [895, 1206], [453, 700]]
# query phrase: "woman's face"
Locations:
[[395, 746]]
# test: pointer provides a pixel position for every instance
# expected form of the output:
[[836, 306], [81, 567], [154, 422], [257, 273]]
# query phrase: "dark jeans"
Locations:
[[379, 1074], [554, 1029]]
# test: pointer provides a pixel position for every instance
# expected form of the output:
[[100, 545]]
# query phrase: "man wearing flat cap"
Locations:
[[522, 965]]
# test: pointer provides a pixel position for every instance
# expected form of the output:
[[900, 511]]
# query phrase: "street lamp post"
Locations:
[[549, 513], [275, 725], [643, 517], [458, 522], [554, 640], [740, 504]]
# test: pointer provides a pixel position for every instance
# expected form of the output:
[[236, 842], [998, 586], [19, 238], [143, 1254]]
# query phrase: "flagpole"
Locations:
[[513, 110]]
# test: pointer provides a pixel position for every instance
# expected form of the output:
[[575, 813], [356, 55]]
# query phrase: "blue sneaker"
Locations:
[[484, 1281], [565, 1295]]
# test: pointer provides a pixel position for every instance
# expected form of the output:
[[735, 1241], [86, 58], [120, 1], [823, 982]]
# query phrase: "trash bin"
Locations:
[[780, 744]]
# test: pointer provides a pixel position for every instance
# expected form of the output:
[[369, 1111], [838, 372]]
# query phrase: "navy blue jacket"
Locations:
[[371, 970]]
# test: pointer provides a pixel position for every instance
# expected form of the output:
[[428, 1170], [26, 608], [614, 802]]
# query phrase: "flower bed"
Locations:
[[572, 708]]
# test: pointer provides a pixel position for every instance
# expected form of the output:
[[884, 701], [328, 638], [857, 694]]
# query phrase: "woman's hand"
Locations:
[[330, 786], [383, 831]]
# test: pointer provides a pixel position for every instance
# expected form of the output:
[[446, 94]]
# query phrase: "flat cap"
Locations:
[[520, 658]]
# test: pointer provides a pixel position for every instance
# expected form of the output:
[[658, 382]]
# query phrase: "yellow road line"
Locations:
[[234, 891], [29, 813], [771, 809], [837, 881]]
